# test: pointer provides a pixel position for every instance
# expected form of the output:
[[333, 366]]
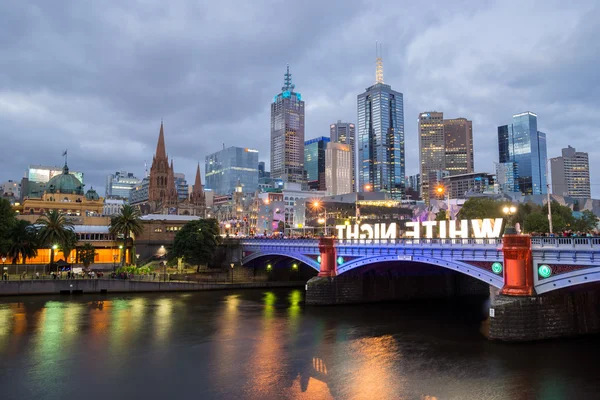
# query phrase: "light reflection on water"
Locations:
[[266, 344]]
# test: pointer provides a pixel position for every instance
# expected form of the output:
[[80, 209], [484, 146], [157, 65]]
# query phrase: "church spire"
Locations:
[[161, 152], [198, 181], [287, 81], [378, 64]]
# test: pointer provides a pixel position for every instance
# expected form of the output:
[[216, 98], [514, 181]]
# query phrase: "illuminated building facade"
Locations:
[[287, 133], [345, 133], [338, 169], [381, 161], [120, 184], [571, 174], [314, 162], [522, 143], [225, 168]]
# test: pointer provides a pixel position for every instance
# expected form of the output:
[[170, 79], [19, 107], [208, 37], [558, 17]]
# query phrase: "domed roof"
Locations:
[[64, 183], [91, 195]]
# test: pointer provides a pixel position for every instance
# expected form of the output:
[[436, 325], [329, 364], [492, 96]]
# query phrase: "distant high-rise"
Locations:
[[183, 190], [120, 184], [228, 166], [262, 173], [344, 132], [287, 133], [458, 136], [432, 156], [380, 163], [314, 162], [507, 177], [522, 143], [571, 174], [444, 145], [338, 169]]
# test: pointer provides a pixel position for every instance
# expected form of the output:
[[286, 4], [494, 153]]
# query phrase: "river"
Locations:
[[265, 344]]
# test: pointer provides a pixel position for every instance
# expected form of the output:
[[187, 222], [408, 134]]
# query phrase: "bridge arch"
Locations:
[[458, 266], [299, 257]]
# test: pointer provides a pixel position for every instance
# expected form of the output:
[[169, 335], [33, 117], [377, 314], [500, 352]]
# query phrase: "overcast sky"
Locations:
[[96, 77]]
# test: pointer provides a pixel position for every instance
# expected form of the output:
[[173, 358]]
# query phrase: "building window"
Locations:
[[157, 230]]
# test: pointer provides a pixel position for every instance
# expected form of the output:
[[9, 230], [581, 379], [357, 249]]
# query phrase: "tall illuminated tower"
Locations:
[[287, 133], [380, 163]]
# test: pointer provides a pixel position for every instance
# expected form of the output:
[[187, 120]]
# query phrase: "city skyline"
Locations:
[[106, 110]]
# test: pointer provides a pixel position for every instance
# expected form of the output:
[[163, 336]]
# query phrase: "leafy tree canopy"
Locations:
[[7, 221], [481, 207], [87, 254], [197, 241]]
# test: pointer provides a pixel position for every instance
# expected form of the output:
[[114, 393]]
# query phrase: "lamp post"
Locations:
[[115, 262], [54, 247], [121, 254], [316, 206], [440, 191], [3, 264], [509, 229], [137, 259], [232, 264]]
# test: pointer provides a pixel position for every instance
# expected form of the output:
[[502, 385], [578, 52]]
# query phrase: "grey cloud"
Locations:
[[97, 77]]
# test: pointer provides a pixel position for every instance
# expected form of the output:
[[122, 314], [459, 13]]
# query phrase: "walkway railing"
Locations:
[[574, 242]]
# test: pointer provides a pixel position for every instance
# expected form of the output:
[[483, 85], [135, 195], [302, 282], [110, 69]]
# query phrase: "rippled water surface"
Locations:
[[265, 344]]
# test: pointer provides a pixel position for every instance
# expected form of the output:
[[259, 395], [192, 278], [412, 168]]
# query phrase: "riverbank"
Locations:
[[80, 286]]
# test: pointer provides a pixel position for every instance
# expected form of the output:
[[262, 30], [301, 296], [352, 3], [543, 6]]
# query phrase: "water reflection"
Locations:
[[266, 344]]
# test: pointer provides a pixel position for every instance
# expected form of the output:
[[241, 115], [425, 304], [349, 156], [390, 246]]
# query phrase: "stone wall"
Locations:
[[543, 317]]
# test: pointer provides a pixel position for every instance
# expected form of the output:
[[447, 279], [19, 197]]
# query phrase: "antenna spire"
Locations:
[[287, 81], [378, 63]]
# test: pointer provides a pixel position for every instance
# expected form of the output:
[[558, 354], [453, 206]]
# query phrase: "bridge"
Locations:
[[545, 285], [559, 262]]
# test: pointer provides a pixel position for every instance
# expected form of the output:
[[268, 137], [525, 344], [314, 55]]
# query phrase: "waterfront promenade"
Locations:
[[108, 285]]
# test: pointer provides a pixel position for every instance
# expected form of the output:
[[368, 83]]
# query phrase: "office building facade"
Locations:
[[225, 167], [380, 142], [287, 133], [521, 142], [338, 169], [463, 185], [458, 146], [120, 184], [314, 162], [571, 174], [345, 133], [507, 177]]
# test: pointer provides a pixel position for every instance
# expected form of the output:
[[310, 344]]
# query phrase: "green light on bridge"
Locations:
[[319, 259], [497, 268], [340, 260], [545, 271], [269, 267]]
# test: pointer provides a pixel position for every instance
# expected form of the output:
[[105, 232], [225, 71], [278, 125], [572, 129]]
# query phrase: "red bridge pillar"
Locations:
[[328, 257], [518, 265]]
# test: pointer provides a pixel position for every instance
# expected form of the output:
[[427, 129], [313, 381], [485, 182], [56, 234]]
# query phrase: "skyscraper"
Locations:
[[228, 166], [120, 184], [344, 132], [432, 156], [444, 145], [458, 145], [380, 165], [314, 162], [338, 169], [571, 174], [522, 143], [287, 133]]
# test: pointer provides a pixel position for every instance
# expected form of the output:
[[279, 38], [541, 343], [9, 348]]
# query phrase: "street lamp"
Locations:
[[137, 257], [54, 247], [509, 211], [232, 264], [120, 252], [316, 206], [440, 190], [3, 262], [368, 187]]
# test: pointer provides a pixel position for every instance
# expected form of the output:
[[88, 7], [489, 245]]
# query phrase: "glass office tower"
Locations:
[[345, 133], [522, 143], [314, 162], [225, 167], [380, 125]]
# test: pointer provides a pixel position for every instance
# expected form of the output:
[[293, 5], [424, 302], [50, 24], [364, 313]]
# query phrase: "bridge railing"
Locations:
[[494, 242], [565, 242]]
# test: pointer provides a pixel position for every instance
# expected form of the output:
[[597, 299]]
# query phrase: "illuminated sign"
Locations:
[[425, 115], [250, 150], [479, 229]]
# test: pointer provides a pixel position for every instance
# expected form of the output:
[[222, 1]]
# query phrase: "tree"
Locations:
[[587, 222], [87, 254], [128, 222], [68, 244], [536, 222], [55, 229], [197, 241], [441, 215], [480, 208], [23, 242], [7, 221]]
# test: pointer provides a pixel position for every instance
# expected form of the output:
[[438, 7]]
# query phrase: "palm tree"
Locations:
[[55, 230], [126, 223], [23, 243], [68, 245]]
